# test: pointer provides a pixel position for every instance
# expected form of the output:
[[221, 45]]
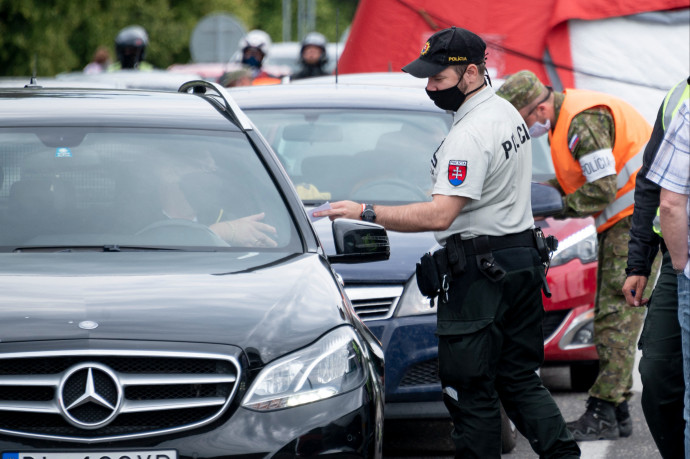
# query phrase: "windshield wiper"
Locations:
[[100, 248], [313, 202]]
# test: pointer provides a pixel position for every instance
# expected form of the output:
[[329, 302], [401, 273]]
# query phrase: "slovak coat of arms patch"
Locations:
[[457, 171]]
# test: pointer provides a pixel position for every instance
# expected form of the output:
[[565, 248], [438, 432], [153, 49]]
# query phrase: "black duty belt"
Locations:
[[436, 270], [509, 241]]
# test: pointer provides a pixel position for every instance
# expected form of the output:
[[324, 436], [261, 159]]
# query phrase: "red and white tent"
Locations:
[[635, 49]]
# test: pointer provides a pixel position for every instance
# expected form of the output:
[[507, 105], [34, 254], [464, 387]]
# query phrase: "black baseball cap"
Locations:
[[453, 46]]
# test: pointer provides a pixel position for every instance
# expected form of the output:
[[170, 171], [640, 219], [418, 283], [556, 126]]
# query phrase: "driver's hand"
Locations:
[[247, 231]]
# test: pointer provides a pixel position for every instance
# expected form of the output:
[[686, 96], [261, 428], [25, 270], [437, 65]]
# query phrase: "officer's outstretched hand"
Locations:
[[342, 209], [633, 288]]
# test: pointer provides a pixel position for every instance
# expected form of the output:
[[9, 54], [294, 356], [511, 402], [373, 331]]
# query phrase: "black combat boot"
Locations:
[[624, 420], [598, 423]]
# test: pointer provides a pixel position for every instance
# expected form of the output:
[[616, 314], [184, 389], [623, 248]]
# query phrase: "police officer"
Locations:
[[596, 147], [130, 49], [661, 364], [312, 57], [489, 271]]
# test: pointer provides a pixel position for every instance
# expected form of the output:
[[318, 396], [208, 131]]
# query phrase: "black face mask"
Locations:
[[447, 99], [129, 62], [451, 98]]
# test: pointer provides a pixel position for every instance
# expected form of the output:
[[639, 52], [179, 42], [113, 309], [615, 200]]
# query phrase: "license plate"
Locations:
[[160, 454]]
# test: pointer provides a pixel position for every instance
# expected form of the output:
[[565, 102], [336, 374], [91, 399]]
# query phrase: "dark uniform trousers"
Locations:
[[661, 366], [491, 345]]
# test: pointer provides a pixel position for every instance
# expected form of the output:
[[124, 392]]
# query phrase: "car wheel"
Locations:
[[583, 375], [508, 433]]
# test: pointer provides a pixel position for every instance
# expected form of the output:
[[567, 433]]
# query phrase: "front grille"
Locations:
[[374, 303], [552, 321], [421, 373], [106, 395], [426, 372]]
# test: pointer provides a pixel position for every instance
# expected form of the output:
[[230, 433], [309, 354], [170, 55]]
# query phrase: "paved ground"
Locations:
[[426, 440]]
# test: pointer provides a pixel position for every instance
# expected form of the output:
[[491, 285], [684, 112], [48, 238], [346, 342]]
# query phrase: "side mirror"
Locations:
[[359, 242], [546, 200]]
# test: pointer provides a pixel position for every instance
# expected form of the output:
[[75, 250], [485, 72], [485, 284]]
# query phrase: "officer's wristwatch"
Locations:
[[368, 214]]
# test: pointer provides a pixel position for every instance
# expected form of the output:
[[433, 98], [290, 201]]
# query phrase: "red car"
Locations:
[[572, 276]]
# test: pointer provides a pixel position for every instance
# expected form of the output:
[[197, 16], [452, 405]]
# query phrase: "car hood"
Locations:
[[167, 297]]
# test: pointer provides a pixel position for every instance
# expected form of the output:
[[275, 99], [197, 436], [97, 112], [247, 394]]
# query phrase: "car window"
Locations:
[[76, 187], [542, 165], [379, 156]]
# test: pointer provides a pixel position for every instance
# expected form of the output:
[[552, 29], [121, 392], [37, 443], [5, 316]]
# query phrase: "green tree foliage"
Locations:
[[51, 37]]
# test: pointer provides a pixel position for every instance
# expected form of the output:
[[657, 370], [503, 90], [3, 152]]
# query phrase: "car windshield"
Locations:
[[379, 156], [131, 189]]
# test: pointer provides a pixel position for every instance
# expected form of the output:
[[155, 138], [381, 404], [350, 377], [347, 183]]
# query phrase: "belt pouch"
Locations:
[[427, 276], [456, 255], [444, 273], [540, 243], [485, 259]]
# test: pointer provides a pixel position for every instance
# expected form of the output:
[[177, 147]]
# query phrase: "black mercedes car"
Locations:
[[163, 292]]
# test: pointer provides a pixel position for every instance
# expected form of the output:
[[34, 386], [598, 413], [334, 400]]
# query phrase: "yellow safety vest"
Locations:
[[672, 102]]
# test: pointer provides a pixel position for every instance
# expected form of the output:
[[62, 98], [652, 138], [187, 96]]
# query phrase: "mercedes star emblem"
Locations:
[[90, 395]]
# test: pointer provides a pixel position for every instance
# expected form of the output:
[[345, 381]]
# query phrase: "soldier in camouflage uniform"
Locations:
[[592, 134]]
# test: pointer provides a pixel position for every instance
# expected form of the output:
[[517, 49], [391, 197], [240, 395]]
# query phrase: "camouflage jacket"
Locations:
[[596, 130]]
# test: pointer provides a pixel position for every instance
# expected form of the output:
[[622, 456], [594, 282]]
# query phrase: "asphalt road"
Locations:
[[426, 440]]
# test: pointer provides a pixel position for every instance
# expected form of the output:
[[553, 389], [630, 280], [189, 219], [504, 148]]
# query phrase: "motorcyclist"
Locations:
[[313, 56], [130, 49], [255, 46]]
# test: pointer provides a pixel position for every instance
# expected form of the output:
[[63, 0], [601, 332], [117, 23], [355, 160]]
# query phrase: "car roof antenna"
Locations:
[[337, 40], [32, 81]]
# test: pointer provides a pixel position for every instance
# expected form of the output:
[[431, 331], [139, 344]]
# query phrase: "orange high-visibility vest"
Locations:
[[263, 80], [632, 135]]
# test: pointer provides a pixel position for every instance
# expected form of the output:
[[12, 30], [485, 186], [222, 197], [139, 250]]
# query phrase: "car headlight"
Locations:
[[582, 245], [331, 366], [412, 302]]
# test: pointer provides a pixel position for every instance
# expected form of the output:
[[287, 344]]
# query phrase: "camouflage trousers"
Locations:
[[616, 325]]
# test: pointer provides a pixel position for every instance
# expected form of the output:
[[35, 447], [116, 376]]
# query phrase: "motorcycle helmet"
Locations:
[[315, 39], [258, 40], [130, 46]]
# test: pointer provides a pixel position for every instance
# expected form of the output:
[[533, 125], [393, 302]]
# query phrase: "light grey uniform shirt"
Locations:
[[487, 157]]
